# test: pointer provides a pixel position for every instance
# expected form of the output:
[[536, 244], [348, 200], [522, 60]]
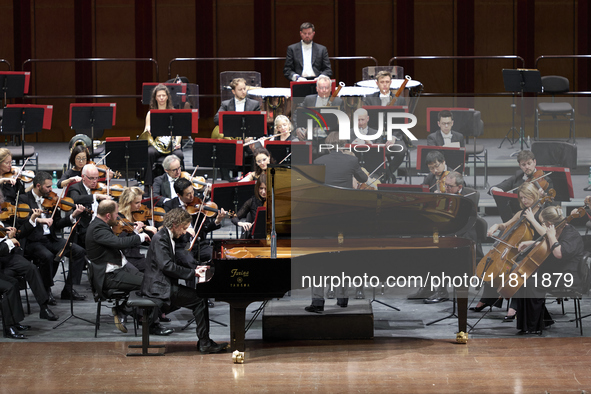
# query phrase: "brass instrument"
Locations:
[[159, 143]]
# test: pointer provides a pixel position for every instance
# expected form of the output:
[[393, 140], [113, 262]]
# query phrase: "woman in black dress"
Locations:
[[78, 159], [247, 213]]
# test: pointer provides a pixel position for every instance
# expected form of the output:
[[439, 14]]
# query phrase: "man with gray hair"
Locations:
[[162, 187], [306, 60]]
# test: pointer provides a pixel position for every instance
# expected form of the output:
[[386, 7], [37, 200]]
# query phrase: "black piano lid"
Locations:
[[307, 208]]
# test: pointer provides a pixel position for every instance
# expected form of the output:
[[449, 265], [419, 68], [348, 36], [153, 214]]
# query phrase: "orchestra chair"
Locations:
[[17, 155], [111, 295], [136, 301], [555, 111], [555, 153], [576, 293], [370, 72]]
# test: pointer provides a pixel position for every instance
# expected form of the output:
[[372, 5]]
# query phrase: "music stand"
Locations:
[[14, 84], [519, 81], [454, 157], [507, 204], [290, 152], [562, 182], [373, 111], [215, 153], [26, 119], [127, 155], [173, 122], [91, 116], [231, 196], [244, 124]]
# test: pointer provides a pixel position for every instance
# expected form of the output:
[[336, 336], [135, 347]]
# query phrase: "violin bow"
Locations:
[[285, 158], [532, 181], [459, 165], [20, 171], [190, 247], [18, 194], [152, 205], [102, 158], [57, 202]]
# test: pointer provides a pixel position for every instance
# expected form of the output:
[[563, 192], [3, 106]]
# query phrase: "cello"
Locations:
[[505, 248], [535, 255]]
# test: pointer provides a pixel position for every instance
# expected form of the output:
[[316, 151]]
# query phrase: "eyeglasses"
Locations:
[[434, 166], [450, 186], [175, 169], [446, 123], [81, 159], [92, 178]]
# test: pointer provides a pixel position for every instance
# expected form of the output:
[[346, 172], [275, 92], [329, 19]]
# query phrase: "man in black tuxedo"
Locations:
[[81, 193], [240, 102], [385, 95], [110, 268], [163, 184], [202, 250], [162, 275], [11, 308], [305, 59], [445, 135], [43, 244], [340, 167]]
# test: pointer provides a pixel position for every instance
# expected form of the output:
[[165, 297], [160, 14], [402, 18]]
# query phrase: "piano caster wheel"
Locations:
[[462, 337], [238, 357]]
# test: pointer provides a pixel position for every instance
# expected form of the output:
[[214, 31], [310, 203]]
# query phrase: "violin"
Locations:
[[8, 210], [536, 254], [144, 213], [103, 169], [114, 190], [441, 181], [26, 175], [198, 182], [124, 225], [499, 258]]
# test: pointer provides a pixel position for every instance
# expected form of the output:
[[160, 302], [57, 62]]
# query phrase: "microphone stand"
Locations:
[[58, 257]]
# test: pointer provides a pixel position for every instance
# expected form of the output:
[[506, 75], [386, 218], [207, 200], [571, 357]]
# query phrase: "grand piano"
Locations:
[[323, 230]]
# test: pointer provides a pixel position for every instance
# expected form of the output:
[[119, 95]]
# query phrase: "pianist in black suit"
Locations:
[[162, 275]]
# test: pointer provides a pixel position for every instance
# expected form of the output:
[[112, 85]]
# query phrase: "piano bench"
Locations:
[[145, 304]]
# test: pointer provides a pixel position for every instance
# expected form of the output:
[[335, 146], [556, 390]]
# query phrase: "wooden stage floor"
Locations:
[[397, 365]]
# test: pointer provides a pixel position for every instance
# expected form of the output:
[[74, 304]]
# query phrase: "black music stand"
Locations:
[[520, 81], [507, 204], [243, 124], [91, 116], [126, 155], [216, 154], [14, 84], [562, 182], [290, 152], [231, 196], [178, 123], [25, 120]]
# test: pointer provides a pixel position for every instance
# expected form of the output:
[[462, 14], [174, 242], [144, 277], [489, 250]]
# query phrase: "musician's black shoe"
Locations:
[[210, 303], [480, 308], [314, 309], [46, 313], [342, 302], [208, 346], [422, 293], [51, 299], [164, 319], [75, 295], [118, 321], [508, 319], [157, 329], [12, 333], [23, 327], [440, 296]]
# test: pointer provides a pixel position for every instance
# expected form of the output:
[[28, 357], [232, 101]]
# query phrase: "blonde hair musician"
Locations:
[[283, 128]]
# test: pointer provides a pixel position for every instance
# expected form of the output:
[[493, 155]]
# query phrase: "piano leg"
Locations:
[[462, 299], [237, 329]]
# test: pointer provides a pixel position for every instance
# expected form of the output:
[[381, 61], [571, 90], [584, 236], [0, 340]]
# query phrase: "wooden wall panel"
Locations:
[[375, 30], [7, 41]]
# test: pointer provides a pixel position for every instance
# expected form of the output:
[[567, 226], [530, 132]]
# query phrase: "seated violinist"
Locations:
[[202, 250], [247, 213], [527, 172], [531, 206], [43, 244], [82, 193], [564, 250], [13, 264], [78, 159], [10, 184], [163, 184], [437, 168]]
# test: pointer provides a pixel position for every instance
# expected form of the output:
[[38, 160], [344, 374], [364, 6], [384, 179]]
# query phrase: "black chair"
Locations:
[[22, 284], [575, 293], [555, 153], [114, 296], [370, 72], [555, 111]]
